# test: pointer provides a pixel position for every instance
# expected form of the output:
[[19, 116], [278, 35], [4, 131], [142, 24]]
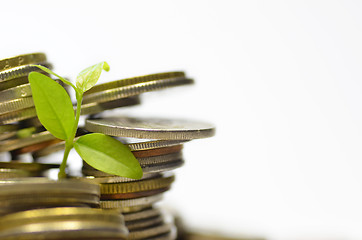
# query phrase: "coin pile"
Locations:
[[157, 144]]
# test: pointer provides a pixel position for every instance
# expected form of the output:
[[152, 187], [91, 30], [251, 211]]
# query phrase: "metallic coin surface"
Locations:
[[31, 167], [4, 85], [136, 89], [144, 223], [137, 186], [157, 151], [133, 195], [19, 115], [144, 213], [147, 233], [12, 144], [137, 202], [20, 91], [20, 60], [6, 173], [95, 107], [8, 128], [16, 104], [35, 147], [134, 80], [151, 128], [149, 144]]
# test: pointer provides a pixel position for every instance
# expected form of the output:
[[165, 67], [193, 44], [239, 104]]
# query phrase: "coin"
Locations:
[[35, 147], [8, 128], [4, 85], [144, 213], [147, 233], [59, 214], [6, 173], [22, 71], [144, 223], [16, 104], [12, 144], [137, 186], [137, 202], [20, 60], [20, 91], [149, 144], [136, 89], [157, 151], [151, 128], [134, 80], [133, 195], [97, 107], [31, 167], [15, 116]]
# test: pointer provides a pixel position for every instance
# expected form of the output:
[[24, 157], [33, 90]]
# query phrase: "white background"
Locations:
[[281, 80]]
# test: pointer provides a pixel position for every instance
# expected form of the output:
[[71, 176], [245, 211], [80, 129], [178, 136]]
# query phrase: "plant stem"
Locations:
[[70, 141]]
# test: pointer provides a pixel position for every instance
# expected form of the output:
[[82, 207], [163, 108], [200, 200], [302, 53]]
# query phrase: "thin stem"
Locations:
[[61, 173], [69, 143]]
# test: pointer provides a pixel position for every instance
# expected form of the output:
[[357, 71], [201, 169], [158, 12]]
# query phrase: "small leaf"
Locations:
[[108, 155], [53, 105], [87, 78]]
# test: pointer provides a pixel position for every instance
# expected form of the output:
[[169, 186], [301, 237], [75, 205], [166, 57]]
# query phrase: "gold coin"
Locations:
[[4, 85], [137, 202], [59, 214], [137, 186], [19, 115], [21, 60], [134, 80], [147, 233], [31, 167], [6, 173], [12, 144], [20, 91], [136, 89], [16, 104], [157, 151], [144, 213], [8, 128]]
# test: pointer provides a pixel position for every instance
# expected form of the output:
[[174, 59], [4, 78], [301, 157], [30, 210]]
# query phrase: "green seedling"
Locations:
[[55, 111]]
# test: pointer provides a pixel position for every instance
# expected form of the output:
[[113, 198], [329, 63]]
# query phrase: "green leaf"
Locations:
[[108, 155], [53, 105], [87, 78], [53, 73]]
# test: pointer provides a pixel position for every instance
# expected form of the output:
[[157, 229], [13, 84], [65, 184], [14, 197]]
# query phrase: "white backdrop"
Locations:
[[281, 80]]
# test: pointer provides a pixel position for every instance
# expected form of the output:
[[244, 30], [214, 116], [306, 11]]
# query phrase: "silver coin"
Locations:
[[136, 202], [151, 128]]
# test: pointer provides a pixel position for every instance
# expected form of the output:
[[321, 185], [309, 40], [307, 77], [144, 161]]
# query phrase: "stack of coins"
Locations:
[[63, 224], [157, 145], [16, 105]]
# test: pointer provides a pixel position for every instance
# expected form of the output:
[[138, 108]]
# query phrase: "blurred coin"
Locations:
[[95, 107], [31, 167], [19, 115], [151, 128], [144, 223], [6, 173], [134, 80], [20, 60], [136, 89], [8, 128], [149, 232], [137, 202], [12, 144], [35, 147], [157, 151], [133, 195], [144, 213], [4, 85]]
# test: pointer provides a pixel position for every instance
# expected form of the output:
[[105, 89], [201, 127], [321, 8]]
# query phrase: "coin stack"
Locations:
[[157, 144], [137, 199]]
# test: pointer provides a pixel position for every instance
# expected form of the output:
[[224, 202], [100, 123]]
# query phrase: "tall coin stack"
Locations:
[[157, 143]]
